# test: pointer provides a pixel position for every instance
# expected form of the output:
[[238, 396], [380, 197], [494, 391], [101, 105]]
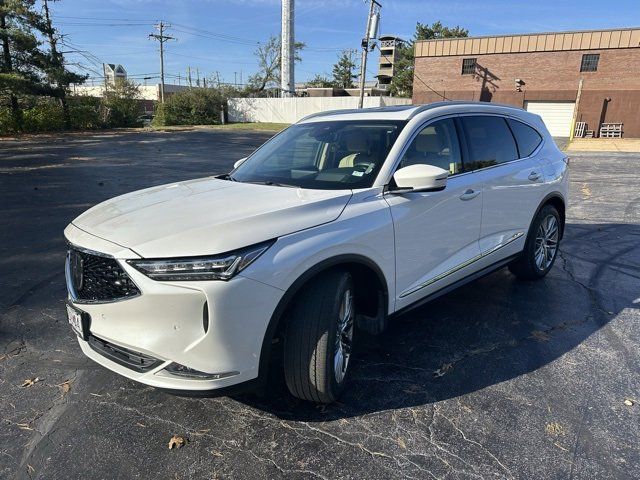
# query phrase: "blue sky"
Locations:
[[116, 31]]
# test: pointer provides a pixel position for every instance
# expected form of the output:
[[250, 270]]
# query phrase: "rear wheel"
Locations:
[[319, 338], [541, 247]]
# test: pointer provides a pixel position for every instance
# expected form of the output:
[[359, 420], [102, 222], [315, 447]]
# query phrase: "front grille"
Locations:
[[127, 358], [96, 278]]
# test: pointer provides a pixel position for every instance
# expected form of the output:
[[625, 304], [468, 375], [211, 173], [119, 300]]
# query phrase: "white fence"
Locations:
[[290, 110]]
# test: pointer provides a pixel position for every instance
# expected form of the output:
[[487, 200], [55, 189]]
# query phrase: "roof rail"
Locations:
[[390, 108], [429, 106]]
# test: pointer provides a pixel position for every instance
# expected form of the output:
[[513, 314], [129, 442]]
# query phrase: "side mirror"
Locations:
[[421, 178], [239, 162]]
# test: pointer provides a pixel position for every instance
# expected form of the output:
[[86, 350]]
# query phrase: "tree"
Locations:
[[58, 75], [122, 104], [268, 75], [25, 68], [319, 81], [22, 62], [343, 71], [402, 81]]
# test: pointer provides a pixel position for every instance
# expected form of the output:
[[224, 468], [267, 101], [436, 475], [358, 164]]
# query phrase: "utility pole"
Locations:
[[365, 46], [197, 77], [235, 79], [287, 52], [189, 76], [161, 37]]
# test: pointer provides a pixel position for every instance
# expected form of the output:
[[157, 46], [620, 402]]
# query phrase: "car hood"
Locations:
[[208, 216]]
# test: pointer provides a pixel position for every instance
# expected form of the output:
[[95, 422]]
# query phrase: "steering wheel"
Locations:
[[362, 167]]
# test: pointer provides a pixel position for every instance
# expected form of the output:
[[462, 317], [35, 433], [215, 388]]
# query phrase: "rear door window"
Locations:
[[528, 138], [489, 141]]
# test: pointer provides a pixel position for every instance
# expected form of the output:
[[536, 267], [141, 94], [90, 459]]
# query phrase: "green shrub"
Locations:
[[45, 116], [122, 104], [6, 121], [158, 116], [198, 106], [85, 113]]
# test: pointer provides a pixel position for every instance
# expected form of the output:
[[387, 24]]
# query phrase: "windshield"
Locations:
[[322, 155]]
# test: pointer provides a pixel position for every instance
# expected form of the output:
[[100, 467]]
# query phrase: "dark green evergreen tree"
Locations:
[[344, 71], [402, 81]]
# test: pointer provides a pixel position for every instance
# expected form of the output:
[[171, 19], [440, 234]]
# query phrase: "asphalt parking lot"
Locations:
[[500, 379]]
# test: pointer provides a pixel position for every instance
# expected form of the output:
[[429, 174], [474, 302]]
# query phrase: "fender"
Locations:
[[545, 200]]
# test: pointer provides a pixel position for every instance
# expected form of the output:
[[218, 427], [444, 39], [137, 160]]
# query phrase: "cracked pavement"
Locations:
[[499, 379]]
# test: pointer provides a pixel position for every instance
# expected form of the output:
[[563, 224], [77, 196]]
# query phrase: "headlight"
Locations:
[[218, 267]]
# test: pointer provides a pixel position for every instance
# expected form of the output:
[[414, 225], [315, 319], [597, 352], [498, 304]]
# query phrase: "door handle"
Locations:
[[469, 194], [534, 176]]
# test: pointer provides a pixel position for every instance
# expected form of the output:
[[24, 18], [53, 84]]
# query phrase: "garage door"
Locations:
[[557, 116]]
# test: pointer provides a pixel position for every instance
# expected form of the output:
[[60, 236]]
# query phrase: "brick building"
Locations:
[[539, 72]]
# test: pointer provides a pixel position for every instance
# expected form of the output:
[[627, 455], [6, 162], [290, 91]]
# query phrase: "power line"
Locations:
[[222, 38]]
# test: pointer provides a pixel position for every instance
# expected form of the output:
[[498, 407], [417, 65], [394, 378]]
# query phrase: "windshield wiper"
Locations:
[[274, 184], [226, 176]]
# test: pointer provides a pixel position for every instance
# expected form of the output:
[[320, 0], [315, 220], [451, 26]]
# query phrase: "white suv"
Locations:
[[333, 226]]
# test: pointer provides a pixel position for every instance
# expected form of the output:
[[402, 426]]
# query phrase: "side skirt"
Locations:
[[463, 281]]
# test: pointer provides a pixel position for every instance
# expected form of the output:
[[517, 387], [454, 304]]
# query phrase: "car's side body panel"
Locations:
[[436, 234]]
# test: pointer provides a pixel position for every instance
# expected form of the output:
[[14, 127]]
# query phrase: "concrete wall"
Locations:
[[290, 110], [550, 76]]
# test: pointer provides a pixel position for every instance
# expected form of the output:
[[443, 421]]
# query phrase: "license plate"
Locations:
[[76, 319]]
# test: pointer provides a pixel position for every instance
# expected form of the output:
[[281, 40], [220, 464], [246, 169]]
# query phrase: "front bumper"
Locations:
[[215, 327]]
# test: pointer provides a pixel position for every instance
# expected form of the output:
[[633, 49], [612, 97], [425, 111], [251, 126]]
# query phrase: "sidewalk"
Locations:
[[604, 145]]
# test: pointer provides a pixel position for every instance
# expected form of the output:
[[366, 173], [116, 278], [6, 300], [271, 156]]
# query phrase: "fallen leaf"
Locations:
[[177, 441], [443, 370], [138, 424], [65, 386], [215, 453], [24, 426], [30, 468], [628, 402], [30, 382], [540, 336], [402, 444], [554, 428]]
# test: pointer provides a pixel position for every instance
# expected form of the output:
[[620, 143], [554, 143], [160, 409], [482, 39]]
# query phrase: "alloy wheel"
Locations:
[[344, 337], [546, 244]]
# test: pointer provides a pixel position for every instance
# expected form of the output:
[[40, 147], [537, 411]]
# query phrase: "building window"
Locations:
[[468, 66], [590, 62]]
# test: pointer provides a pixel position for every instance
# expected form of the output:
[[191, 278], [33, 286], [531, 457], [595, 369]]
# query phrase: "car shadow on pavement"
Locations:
[[490, 331]]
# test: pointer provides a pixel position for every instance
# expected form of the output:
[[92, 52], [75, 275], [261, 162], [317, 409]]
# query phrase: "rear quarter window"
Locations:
[[528, 138]]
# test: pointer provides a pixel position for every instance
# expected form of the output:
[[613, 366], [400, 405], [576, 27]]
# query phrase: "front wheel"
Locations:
[[541, 247], [319, 338]]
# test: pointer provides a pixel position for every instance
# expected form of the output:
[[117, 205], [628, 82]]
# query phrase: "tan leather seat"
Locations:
[[360, 150], [428, 149]]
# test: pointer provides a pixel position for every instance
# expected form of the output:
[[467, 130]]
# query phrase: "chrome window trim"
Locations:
[[427, 122], [462, 265]]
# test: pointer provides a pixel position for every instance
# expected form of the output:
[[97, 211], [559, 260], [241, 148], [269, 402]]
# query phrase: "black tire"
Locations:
[[525, 266], [310, 340]]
